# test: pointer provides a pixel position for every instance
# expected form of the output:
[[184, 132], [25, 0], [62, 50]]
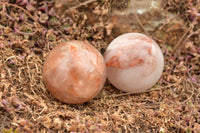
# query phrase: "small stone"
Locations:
[[74, 72], [134, 62], [165, 26]]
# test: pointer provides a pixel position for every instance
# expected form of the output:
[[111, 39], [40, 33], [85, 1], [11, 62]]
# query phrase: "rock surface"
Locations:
[[160, 24]]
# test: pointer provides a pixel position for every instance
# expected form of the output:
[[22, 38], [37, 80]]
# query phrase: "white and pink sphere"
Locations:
[[134, 62]]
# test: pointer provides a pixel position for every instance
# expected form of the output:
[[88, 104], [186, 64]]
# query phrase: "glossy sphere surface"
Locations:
[[134, 62], [74, 72]]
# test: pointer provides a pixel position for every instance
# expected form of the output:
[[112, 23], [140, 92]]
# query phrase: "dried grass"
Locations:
[[27, 106]]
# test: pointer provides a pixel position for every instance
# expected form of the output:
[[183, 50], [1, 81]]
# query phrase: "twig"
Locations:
[[191, 94], [81, 4], [181, 39], [164, 24], [138, 19], [193, 33], [9, 4], [11, 57], [24, 33], [150, 90], [196, 83], [140, 23], [2, 125], [65, 36]]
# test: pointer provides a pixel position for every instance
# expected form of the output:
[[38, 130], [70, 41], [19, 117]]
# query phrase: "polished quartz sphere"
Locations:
[[134, 62], [74, 72]]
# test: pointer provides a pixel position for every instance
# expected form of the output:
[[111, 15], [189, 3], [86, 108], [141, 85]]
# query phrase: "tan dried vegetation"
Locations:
[[30, 29]]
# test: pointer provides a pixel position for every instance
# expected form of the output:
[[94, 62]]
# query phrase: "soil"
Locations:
[[30, 29]]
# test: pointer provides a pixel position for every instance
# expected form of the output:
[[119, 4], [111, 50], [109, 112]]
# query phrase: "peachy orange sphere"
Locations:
[[74, 72]]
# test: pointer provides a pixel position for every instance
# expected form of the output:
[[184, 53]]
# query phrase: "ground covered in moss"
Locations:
[[29, 29]]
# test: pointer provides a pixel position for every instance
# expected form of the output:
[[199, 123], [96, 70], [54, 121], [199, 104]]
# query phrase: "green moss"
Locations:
[[10, 130]]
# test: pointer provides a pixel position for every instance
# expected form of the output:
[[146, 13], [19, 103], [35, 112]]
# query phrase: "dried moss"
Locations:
[[27, 106]]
